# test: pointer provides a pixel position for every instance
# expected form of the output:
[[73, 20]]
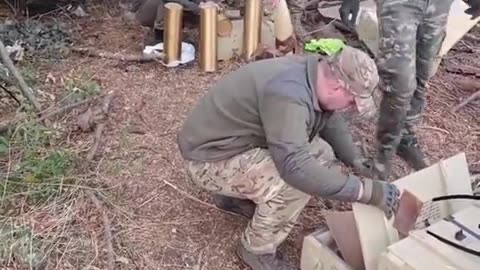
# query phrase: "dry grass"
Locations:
[[155, 225], [45, 218]]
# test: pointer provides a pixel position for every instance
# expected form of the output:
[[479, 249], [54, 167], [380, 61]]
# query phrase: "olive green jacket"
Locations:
[[273, 104]]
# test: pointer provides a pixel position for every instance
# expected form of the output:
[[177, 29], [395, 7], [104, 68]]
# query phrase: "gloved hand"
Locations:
[[383, 195], [351, 7], [474, 9], [371, 168]]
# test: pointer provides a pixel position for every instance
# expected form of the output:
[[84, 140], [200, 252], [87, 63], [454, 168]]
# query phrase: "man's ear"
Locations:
[[338, 87]]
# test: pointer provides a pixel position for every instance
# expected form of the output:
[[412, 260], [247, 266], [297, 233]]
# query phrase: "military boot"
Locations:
[[410, 151], [158, 36], [263, 261], [378, 168], [245, 208], [153, 37]]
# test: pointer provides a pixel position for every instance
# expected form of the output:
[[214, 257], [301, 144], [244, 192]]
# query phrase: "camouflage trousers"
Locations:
[[150, 13], [411, 35], [252, 175], [297, 8]]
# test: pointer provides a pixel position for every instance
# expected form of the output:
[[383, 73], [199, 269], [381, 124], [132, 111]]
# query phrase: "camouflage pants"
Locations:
[[253, 175], [411, 35], [297, 8], [150, 13]]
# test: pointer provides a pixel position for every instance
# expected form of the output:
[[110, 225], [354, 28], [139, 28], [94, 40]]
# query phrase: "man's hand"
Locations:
[[474, 9], [384, 195], [351, 7]]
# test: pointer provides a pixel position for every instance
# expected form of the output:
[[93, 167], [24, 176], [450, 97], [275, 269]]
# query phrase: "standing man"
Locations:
[[411, 35], [265, 139], [297, 9], [150, 13]]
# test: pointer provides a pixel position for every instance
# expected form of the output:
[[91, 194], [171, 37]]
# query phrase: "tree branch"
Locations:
[[467, 100], [116, 56], [107, 230], [10, 94], [16, 74], [100, 127]]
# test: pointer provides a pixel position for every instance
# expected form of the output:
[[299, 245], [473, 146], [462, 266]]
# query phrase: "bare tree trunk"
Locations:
[[18, 77]]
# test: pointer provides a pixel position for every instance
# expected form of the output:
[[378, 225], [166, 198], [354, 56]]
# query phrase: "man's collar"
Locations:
[[312, 71]]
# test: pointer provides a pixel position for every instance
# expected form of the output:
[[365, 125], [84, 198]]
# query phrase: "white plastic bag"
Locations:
[[188, 53]]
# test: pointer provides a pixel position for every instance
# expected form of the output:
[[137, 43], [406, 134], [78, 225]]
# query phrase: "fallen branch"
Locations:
[[67, 108], [96, 141], [45, 115], [196, 199], [436, 128], [18, 77], [59, 8], [468, 85], [326, 26], [100, 126], [10, 94], [107, 231], [467, 100], [11, 7], [116, 56], [466, 70]]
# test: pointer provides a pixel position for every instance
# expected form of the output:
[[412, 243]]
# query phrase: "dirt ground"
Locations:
[[162, 221]]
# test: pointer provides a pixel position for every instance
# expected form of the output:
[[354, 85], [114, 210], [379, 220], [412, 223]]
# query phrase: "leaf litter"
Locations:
[[154, 226]]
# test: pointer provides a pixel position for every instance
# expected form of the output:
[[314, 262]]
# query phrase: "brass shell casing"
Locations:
[[172, 34], [208, 37], [252, 27]]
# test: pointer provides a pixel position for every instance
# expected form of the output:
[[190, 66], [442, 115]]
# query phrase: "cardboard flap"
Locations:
[[344, 231]]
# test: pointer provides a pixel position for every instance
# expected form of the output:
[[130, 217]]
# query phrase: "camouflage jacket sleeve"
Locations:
[[285, 126], [337, 133], [188, 5]]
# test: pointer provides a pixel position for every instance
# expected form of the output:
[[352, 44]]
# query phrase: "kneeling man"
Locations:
[[267, 137]]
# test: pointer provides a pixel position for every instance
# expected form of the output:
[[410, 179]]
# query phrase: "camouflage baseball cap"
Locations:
[[359, 72]]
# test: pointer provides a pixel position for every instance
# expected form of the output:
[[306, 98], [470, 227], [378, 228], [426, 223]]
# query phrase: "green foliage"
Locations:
[[35, 173], [30, 75], [39, 170], [82, 87], [4, 145]]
